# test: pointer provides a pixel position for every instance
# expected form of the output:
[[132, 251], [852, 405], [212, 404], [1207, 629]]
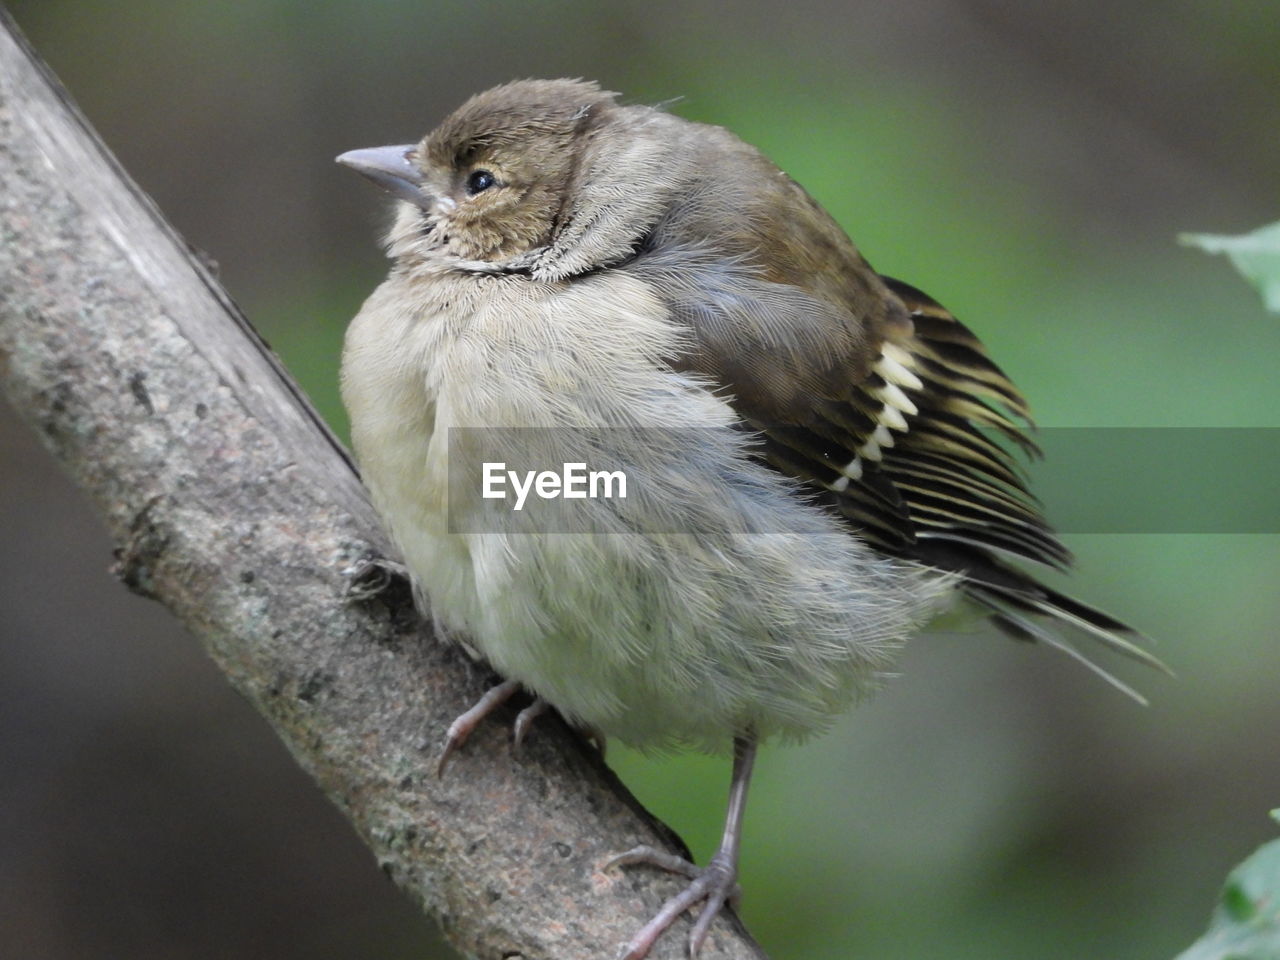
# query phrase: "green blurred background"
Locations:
[[1028, 164]]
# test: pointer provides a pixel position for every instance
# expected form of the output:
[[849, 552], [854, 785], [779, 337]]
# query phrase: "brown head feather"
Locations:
[[515, 114]]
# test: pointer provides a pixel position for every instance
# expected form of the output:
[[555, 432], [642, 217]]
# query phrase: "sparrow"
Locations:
[[821, 458]]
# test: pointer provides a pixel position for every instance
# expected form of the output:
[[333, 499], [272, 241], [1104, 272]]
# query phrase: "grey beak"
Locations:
[[391, 169]]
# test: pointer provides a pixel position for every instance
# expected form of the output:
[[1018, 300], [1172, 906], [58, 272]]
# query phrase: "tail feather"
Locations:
[[1025, 609], [1024, 628]]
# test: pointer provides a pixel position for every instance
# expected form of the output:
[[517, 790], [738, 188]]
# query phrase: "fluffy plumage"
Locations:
[[654, 639]]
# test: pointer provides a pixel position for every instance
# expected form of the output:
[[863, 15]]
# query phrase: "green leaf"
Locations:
[[1246, 922], [1256, 255]]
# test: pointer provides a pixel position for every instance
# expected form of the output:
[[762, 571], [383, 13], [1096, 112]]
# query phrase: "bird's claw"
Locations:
[[468, 720], [492, 699], [713, 885], [370, 577], [524, 721]]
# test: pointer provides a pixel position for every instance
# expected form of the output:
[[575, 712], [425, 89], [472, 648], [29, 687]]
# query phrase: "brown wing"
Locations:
[[899, 421]]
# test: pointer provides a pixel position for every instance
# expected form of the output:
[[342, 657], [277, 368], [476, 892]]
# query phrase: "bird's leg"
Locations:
[[461, 728], [713, 884]]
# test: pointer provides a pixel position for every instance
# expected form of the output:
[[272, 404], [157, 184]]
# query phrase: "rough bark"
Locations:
[[233, 505]]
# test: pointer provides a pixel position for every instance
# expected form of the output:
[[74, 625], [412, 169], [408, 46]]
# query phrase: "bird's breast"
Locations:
[[443, 369]]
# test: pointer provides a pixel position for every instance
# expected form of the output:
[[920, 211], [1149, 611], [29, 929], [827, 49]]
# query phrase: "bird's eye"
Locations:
[[480, 181]]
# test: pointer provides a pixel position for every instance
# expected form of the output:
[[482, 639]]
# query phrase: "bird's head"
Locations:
[[551, 176]]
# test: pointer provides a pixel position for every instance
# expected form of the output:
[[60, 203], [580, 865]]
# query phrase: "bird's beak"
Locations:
[[391, 169]]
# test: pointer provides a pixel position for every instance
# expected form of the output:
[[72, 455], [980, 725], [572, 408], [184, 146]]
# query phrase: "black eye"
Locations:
[[480, 181]]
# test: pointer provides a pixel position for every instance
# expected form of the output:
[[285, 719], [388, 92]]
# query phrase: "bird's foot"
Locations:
[[493, 698], [370, 577], [712, 885], [467, 721]]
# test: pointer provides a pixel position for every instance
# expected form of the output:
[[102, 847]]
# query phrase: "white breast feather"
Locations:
[[654, 639]]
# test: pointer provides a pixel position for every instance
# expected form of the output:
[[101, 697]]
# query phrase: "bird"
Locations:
[[820, 459]]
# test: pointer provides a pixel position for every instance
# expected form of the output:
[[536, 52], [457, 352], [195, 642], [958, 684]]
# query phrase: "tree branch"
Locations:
[[233, 505]]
